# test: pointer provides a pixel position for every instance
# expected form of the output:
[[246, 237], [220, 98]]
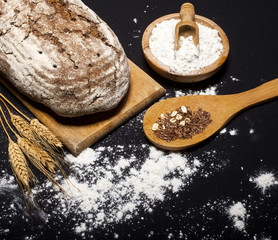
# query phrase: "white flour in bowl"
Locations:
[[188, 58]]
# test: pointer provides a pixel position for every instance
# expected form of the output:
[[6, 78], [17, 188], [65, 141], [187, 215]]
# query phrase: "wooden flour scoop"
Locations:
[[187, 26], [221, 107]]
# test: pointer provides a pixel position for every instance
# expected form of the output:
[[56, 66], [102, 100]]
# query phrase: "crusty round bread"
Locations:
[[61, 54]]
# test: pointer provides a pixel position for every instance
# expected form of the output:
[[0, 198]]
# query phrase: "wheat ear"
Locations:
[[20, 168], [41, 136], [23, 174], [45, 134], [38, 158], [38, 131], [23, 127], [49, 141], [19, 164]]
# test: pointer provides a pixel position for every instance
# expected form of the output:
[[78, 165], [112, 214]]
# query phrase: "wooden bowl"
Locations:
[[165, 71]]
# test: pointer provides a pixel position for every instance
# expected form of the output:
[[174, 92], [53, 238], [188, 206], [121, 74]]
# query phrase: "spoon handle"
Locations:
[[256, 95], [187, 12]]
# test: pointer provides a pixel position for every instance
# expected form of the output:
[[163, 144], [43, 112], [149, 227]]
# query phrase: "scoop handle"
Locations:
[[256, 95], [187, 12]]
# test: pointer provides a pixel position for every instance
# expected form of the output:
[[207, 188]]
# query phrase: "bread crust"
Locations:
[[61, 54]]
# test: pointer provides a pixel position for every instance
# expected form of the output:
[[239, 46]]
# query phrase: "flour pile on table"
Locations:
[[264, 181], [109, 189], [237, 213]]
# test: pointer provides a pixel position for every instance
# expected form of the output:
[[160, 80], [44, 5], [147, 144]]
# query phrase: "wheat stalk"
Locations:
[[7, 100]]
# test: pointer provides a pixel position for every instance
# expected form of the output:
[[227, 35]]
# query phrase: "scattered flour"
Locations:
[[188, 58], [261, 238], [106, 191], [234, 79], [116, 184], [212, 90], [7, 182], [264, 181], [110, 186], [147, 6], [237, 213], [233, 132], [252, 130], [136, 34], [224, 130]]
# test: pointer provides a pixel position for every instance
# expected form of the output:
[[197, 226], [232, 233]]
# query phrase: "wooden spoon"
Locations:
[[186, 27], [221, 107]]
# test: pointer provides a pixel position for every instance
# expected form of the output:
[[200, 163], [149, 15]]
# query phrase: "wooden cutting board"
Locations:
[[79, 133]]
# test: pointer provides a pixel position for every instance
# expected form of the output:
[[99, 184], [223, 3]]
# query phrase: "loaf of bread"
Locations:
[[61, 54]]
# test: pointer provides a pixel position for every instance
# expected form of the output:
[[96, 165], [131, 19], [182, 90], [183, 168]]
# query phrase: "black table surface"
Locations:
[[251, 27]]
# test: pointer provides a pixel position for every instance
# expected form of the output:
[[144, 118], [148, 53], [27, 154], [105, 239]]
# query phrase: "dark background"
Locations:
[[251, 27]]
